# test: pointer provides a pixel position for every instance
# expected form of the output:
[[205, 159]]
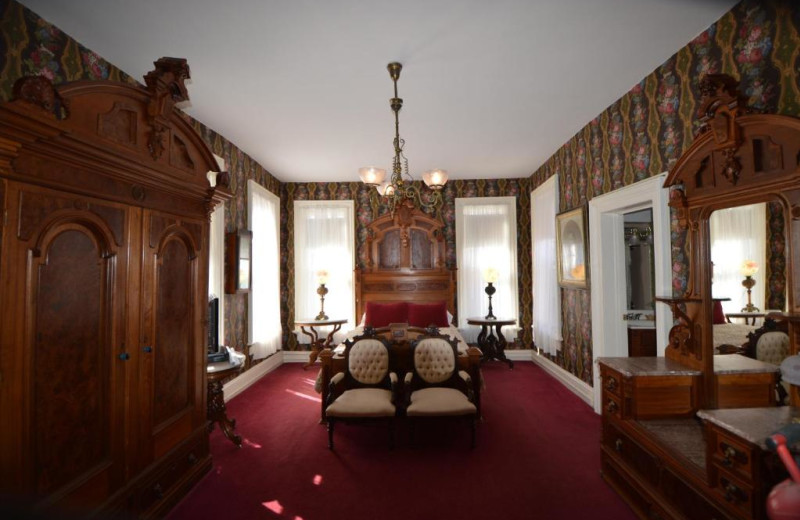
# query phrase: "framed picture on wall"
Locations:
[[572, 248]]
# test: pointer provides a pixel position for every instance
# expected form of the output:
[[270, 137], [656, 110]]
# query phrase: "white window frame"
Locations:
[[345, 275], [471, 285], [548, 311], [216, 255], [253, 188]]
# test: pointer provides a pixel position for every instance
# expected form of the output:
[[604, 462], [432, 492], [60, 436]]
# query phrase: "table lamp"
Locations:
[[749, 268], [490, 276], [322, 279]]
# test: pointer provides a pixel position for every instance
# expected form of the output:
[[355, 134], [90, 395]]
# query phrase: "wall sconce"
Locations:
[[322, 279], [490, 276], [748, 269]]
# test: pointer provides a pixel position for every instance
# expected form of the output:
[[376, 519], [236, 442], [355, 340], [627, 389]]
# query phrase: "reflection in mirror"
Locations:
[[748, 270], [639, 260]]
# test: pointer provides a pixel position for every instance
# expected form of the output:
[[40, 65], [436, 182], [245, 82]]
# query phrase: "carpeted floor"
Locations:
[[537, 456]]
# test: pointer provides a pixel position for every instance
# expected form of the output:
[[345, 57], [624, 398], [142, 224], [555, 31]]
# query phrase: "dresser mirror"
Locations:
[[740, 162], [639, 260]]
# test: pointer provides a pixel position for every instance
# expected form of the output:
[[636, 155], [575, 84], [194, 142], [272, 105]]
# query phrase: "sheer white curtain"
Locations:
[[486, 237], [265, 312], [546, 294], [324, 240], [738, 234]]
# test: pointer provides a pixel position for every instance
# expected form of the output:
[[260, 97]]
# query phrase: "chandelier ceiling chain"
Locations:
[[400, 189]]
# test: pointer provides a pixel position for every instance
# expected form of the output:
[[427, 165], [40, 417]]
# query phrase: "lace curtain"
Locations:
[[738, 234], [324, 240], [546, 294], [486, 237], [265, 314]]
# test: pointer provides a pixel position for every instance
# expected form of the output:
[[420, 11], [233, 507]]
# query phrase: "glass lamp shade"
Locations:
[[435, 179], [749, 268], [322, 277], [490, 275], [385, 189], [371, 175]]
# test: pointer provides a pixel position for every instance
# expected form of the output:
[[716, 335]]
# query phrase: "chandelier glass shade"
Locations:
[[400, 188]]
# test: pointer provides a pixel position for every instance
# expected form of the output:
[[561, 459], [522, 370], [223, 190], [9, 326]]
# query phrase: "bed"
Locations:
[[405, 280], [730, 337]]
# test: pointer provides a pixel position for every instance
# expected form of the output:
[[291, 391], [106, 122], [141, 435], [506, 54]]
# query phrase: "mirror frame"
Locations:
[[737, 158]]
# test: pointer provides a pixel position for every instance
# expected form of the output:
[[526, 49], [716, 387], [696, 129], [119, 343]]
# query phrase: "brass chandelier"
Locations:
[[400, 189]]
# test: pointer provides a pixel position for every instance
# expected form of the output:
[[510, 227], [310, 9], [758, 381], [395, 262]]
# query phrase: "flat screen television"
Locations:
[[213, 325]]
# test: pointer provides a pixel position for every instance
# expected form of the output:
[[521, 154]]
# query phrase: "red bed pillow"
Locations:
[[424, 314], [719, 314], [382, 314]]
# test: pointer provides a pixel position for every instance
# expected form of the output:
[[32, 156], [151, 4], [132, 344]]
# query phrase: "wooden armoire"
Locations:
[[103, 295]]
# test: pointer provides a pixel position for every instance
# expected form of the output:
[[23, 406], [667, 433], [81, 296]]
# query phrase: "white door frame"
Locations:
[[607, 261]]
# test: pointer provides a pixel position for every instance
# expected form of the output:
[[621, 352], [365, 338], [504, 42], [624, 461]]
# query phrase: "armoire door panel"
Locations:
[[170, 303], [173, 331], [72, 279]]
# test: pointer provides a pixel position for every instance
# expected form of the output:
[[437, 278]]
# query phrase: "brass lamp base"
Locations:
[[748, 283], [322, 291]]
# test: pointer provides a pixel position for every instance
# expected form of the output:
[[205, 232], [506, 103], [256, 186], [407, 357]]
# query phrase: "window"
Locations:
[[216, 255], [546, 294], [738, 234], [265, 313], [324, 241], [486, 237]]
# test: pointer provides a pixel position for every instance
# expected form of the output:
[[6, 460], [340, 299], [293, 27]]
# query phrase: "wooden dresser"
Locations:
[[666, 462], [103, 291]]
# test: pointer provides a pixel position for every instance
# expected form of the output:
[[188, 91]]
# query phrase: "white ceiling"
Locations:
[[492, 88]]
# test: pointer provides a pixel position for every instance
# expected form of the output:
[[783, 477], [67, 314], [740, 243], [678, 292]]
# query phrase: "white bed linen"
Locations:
[[731, 334]]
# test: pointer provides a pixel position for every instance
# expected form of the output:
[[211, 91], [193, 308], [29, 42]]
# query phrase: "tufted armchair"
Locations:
[[770, 343], [366, 389], [436, 387]]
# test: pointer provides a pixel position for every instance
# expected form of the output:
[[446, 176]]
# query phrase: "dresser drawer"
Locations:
[[612, 381], [736, 494], [157, 491], [612, 406], [634, 456], [732, 455]]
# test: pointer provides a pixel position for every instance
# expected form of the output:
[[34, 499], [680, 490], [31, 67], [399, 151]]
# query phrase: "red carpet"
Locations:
[[537, 456]]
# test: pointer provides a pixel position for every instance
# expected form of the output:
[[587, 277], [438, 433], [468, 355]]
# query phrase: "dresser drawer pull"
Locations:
[[192, 458], [732, 493], [612, 384], [158, 491], [731, 455], [612, 407], [618, 445]]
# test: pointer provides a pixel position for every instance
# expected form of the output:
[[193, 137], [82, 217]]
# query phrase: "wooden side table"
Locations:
[[217, 374], [317, 343], [749, 317], [492, 342]]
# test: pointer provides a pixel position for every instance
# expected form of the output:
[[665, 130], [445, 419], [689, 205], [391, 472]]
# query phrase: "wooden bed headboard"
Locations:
[[405, 262]]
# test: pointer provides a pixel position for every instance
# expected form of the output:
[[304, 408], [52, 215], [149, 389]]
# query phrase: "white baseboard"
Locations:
[[519, 354], [577, 386], [239, 384], [296, 356]]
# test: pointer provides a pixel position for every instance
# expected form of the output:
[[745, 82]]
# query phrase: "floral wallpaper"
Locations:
[[648, 128], [638, 136], [31, 46], [369, 207]]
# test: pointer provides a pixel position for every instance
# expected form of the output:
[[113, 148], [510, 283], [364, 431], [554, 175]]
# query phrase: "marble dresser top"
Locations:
[[738, 364], [647, 366], [752, 424]]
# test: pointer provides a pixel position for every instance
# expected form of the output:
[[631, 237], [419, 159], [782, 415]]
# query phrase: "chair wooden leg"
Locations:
[[411, 427], [330, 433], [391, 434]]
